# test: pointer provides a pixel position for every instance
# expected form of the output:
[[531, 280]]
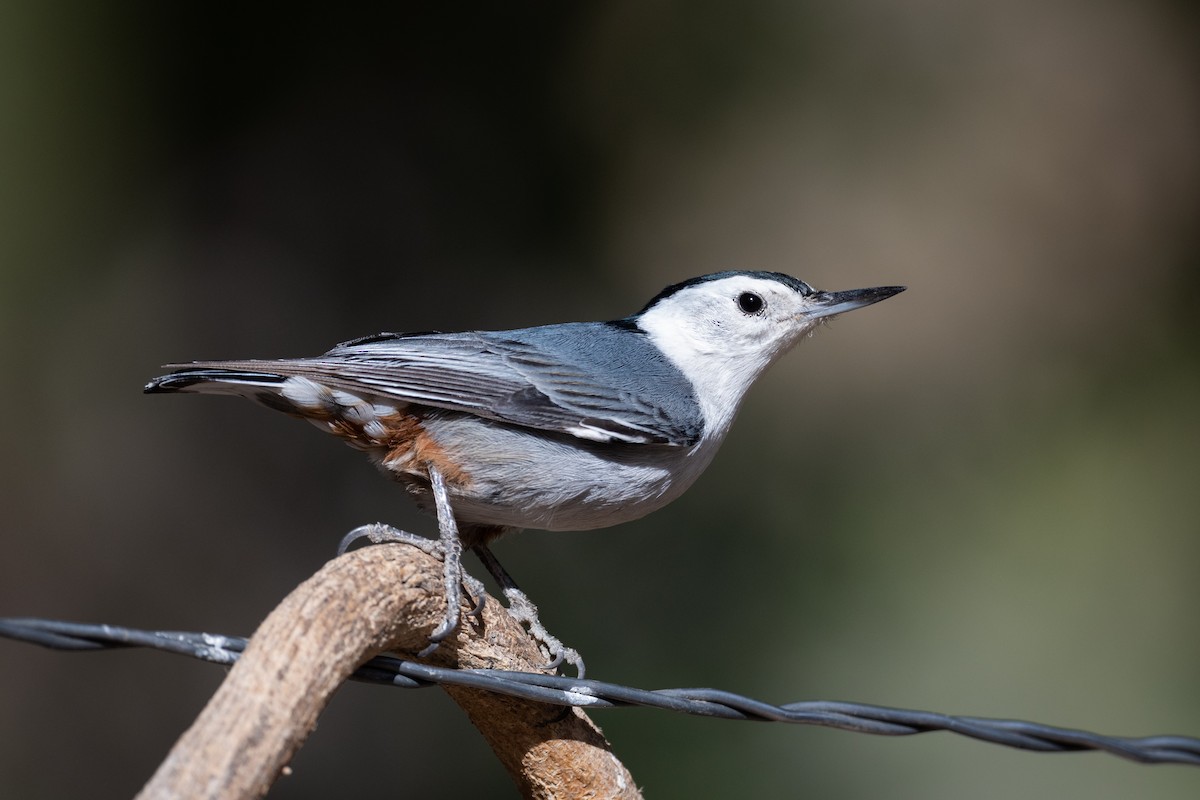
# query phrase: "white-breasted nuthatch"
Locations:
[[573, 426]]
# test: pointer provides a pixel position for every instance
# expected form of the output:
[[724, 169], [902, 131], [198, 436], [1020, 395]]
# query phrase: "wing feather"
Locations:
[[545, 378]]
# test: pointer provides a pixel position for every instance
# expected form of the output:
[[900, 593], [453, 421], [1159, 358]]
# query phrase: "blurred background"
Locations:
[[980, 497]]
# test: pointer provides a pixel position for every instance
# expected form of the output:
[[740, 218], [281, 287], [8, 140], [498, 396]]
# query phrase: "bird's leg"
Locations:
[[448, 548], [452, 571], [524, 611]]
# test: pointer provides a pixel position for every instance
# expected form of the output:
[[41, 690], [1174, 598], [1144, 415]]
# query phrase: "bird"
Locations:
[[570, 426]]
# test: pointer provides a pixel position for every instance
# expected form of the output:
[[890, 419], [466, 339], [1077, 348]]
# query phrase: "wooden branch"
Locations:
[[380, 598]]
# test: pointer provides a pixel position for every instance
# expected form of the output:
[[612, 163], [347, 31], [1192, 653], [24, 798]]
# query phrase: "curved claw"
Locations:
[[361, 532], [574, 659], [554, 664], [477, 610], [443, 631], [378, 533]]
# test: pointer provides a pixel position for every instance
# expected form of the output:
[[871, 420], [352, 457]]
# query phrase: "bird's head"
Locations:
[[723, 330]]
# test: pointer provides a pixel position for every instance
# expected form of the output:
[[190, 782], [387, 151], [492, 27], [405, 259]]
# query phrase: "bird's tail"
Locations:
[[305, 388], [219, 377], [262, 381]]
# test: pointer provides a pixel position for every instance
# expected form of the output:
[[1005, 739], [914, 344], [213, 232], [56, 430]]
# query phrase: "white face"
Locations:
[[723, 333]]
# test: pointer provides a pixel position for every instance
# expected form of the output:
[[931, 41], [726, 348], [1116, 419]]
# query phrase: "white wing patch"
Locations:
[[591, 434]]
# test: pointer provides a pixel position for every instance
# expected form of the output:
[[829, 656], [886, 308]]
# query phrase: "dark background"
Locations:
[[979, 497]]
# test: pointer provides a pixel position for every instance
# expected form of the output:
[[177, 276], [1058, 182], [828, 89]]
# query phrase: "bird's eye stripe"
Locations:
[[750, 303]]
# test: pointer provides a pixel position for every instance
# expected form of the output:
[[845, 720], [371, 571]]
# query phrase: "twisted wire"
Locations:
[[558, 690]]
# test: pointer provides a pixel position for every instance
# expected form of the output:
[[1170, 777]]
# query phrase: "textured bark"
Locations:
[[380, 598]]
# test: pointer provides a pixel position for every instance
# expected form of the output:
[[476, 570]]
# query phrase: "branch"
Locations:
[[377, 599]]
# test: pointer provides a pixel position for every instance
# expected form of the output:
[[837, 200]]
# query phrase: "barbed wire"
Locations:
[[564, 691]]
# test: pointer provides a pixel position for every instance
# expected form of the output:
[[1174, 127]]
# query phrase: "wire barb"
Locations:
[[558, 690]]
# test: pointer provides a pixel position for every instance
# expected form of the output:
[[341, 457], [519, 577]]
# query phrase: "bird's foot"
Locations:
[[456, 579], [378, 533], [522, 609], [453, 575], [525, 612]]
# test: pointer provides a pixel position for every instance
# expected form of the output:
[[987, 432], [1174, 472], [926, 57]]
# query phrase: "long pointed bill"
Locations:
[[826, 304]]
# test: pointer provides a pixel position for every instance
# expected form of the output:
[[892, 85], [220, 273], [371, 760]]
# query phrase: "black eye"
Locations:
[[750, 303]]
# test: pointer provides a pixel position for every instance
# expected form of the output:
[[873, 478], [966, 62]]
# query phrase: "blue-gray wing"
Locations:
[[599, 381]]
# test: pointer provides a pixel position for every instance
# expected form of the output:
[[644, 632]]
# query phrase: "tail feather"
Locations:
[[215, 380], [282, 386]]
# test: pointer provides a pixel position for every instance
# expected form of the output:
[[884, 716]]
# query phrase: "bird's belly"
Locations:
[[520, 478]]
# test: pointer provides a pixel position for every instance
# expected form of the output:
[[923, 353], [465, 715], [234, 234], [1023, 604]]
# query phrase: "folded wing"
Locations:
[[595, 381]]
